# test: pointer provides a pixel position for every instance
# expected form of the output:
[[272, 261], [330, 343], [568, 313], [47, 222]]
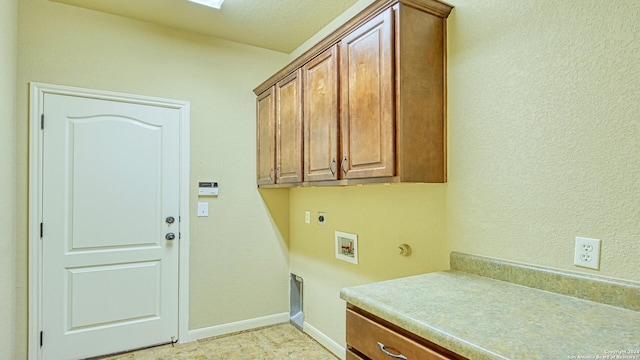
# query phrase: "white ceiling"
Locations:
[[280, 25]]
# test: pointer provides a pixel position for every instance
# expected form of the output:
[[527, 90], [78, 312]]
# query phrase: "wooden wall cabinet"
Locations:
[[367, 85], [321, 146], [279, 130], [373, 107], [289, 129], [266, 122]]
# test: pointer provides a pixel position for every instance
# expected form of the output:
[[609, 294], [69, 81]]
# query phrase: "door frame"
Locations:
[[36, 107]]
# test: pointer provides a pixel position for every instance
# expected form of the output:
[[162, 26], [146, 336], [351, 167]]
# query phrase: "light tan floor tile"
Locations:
[[241, 346], [290, 343], [280, 342], [169, 352]]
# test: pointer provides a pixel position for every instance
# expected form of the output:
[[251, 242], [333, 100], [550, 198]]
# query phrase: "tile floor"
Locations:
[[279, 342]]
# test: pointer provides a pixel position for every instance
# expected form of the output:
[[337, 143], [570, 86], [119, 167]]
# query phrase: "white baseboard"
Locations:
[[337, 349], [238, 326]]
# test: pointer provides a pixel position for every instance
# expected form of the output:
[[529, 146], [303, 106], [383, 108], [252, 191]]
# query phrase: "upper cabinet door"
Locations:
[[321, 158], [289, 129], [367, 87], [265, 104]]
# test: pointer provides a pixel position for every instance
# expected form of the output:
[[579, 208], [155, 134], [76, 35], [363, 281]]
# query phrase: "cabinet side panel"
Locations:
[[421, 96]]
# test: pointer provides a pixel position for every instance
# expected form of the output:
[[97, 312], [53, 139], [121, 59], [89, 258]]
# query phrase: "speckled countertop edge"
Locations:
[[620, 293], [480, 317], [390, 312]]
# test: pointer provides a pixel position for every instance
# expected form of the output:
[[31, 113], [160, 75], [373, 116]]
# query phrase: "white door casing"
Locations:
[[107, 170]]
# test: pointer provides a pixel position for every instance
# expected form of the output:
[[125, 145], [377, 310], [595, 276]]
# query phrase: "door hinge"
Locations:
[[42, 121], [179, 236], [41, 338], [41, 230]]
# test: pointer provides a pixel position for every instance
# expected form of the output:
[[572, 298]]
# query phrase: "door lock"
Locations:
[[170, 236], [170, 220]]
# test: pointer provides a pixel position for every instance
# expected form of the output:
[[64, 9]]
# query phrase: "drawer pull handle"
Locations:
[[386, 352]]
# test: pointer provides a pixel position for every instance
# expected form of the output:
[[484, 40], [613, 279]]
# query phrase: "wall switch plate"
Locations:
[[307, 217], [203, 209], [587, 253]]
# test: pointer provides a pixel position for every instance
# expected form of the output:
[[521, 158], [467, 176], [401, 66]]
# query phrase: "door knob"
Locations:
[[170, 236], [170, 220]]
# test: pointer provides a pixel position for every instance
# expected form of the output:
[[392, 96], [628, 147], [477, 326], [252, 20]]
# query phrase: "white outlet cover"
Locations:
[[322, 218], [587, 253]]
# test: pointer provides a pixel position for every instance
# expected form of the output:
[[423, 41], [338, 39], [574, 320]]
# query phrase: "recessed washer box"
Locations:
[[346, 247]]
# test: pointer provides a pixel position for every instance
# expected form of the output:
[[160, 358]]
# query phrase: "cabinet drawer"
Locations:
[[368, 336], [352, 356]]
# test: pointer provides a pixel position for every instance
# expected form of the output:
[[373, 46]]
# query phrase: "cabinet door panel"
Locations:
[[367, 87], [289, 129], [265, 104], [321, 117]]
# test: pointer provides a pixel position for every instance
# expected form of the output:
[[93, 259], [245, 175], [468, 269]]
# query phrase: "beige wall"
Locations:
[[544, 144], [8, 63], [544, 133], [383, 217], [238, 256]]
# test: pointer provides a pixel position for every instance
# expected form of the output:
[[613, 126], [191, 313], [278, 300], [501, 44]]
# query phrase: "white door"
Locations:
[[110, 183]]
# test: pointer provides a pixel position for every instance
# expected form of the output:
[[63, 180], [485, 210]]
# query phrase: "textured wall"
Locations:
[[383, 217], [544, 143], [544, 134], [238, 258], [8, 64]]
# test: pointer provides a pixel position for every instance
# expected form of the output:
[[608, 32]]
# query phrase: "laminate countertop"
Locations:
[[480, 317]]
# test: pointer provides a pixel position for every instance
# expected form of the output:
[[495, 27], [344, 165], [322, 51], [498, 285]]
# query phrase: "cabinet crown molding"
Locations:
[[434, 7]]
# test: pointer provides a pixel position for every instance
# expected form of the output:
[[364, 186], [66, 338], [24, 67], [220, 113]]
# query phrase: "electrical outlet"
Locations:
[[322, 218], [307, 217], [587, 253]]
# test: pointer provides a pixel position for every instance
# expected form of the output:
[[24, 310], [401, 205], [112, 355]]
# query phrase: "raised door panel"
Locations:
[[110, 178], [321, 116], [367, 88], [265, 104], [289, 129]]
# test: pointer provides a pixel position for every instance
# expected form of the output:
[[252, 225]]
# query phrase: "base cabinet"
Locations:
[[353, 356], [369, 337]]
